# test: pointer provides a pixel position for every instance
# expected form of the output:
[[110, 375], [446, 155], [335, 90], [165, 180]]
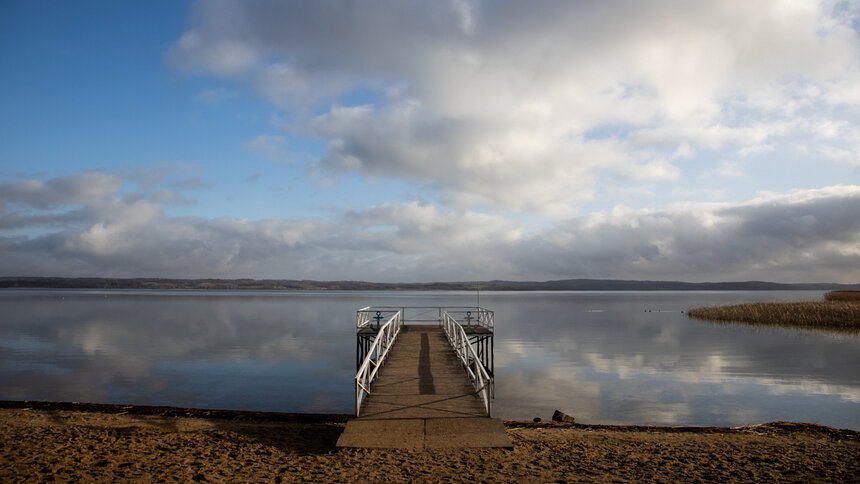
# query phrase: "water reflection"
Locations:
[[225, 351], [602, 357], [642, 360]]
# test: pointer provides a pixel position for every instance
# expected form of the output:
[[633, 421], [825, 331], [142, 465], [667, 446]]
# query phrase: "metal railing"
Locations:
[[375, 358], [481, 380], [362, 317], [473, 317], [470, 316], [375, 316]]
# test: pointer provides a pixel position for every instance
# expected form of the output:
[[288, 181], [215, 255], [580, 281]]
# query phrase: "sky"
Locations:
[[415, 141]]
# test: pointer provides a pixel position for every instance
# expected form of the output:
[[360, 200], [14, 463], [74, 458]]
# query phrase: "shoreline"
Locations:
[[44, 441], [339, 418], [170, 411]]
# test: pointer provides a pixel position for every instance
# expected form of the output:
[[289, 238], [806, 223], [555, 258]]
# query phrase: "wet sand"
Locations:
[[65, 442]]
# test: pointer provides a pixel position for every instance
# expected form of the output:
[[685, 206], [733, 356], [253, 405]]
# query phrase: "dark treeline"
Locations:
[[273, 284]]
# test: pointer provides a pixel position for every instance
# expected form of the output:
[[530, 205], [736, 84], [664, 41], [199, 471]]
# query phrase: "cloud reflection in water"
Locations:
[[641, 360], [610, 357]]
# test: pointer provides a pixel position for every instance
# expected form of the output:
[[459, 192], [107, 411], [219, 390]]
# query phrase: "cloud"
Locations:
[[227, 58], [490, 104], [798, 235], [271, 147], [807, 235], [75, 189], [215, 95], [466, 163], [501, 124], [728, 169]]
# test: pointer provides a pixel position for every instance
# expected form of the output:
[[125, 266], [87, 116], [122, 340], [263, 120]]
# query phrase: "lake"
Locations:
[[603, 357]]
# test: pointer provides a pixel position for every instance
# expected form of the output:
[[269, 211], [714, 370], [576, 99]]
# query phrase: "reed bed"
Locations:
[[842, 296], [841, 315]]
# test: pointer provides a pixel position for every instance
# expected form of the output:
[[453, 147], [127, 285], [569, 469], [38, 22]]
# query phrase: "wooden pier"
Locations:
[[423, 397]]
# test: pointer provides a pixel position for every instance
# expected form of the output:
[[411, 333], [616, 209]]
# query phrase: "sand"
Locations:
[[42, 442]]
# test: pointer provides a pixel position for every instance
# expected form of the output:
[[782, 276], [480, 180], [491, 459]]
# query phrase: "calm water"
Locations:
[[604, 357]]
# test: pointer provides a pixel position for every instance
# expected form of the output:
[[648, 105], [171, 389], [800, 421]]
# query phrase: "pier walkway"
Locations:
[[424, 394]]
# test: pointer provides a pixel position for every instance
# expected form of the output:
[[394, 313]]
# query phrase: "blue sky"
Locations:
[[420, 141]]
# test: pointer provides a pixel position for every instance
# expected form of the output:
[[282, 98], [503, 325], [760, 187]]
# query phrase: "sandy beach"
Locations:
[[66, 442]]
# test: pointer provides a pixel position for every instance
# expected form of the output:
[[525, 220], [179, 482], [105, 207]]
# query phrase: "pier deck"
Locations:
[[422, 378], [423, 398]]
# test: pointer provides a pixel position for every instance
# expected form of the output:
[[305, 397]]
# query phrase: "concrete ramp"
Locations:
[[425, 434]]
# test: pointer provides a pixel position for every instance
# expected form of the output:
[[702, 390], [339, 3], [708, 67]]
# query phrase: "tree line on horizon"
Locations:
[[311, 285]]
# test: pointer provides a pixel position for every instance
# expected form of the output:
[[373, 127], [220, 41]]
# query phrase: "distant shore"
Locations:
[[85, 442], [840, 311], [308, 285]]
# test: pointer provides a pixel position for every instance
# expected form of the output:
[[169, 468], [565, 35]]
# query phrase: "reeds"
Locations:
[[842, 296], [842, 315]]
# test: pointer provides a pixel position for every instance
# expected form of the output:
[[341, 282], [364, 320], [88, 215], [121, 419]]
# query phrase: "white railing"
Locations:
[[468, 357], [375, 357], [468, 315], [473, 316], [362, 317], [373, 316]]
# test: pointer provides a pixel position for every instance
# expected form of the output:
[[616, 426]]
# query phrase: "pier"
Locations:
[[424, 379]]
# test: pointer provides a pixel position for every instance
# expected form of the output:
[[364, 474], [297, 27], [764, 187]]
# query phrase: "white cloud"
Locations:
[[227, 58], [659, 169], [808, 235], [503, 120], [756, 149], [488, 104], [728, 169]]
